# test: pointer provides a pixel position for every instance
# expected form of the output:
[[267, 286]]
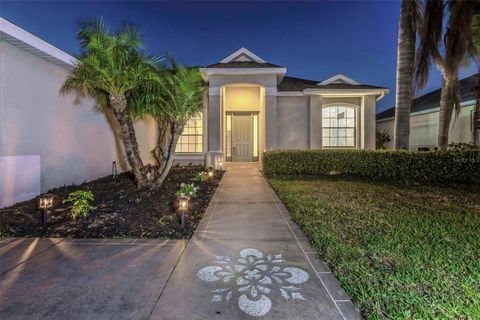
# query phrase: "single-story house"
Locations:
[[424, 118], [48, 140]]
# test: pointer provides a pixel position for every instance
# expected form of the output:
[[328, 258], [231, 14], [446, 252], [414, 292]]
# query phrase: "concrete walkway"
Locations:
[[246, 260]]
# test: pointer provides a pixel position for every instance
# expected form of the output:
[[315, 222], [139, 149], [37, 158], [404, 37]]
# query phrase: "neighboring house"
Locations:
[[425, 115], [48, 140]]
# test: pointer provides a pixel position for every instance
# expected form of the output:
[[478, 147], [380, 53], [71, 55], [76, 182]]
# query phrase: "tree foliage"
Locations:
[[460, 42], [114, 70]]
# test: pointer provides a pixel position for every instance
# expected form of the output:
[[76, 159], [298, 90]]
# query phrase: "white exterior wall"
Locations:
[[293, 122], [71, 141], [424, 128], [299, 123]]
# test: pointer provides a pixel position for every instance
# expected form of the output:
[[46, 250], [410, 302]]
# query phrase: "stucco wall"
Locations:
[[224, 94], [424, 128], [292, 122], [73, 141]]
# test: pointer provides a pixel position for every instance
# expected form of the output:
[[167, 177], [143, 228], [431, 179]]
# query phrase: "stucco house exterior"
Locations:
[[253, 106], [48, 140], [424, 118]]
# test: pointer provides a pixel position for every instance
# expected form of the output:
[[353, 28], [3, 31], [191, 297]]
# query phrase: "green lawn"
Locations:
[[400, 252]]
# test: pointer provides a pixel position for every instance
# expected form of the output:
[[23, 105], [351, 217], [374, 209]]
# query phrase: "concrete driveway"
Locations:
[[246, 260]]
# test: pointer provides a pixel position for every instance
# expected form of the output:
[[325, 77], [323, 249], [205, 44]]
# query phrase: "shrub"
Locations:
[[187, 190], [201, 176], [382, 138], [462, 146], [455, 166], [82, 203]]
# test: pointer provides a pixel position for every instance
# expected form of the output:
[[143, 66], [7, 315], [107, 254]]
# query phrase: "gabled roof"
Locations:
[[340, 79], [243, 64], [243, 54], [431, 100], [26, 41], [298, 84], [243, 58]]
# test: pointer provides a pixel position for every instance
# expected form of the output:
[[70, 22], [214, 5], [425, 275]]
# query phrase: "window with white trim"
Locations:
[[191, 140], [339, 126]]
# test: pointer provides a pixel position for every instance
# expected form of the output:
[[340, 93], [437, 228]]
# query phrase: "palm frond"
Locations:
[[458, 43], [430, 39]]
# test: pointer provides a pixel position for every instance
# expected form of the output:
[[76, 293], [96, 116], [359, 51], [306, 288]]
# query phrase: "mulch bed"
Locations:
[[121, 210]]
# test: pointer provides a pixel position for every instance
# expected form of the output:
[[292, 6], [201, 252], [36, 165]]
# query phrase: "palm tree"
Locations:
[[172, 97], [458, 44], [110, 69], [408, 25]]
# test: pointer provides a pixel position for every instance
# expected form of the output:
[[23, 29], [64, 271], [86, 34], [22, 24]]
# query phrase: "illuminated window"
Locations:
[[255, 137], [339, 126], [229, 137], [191, 140]]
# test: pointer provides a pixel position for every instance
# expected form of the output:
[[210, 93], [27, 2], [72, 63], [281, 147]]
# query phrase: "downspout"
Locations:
[[381, 96]]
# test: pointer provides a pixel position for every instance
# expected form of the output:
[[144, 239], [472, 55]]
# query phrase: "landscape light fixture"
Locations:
[[210, 173], [114, 170], [45, 202], [220, 164], [182, 208]]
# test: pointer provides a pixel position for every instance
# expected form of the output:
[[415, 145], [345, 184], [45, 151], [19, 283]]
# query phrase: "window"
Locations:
[[229, 137], [338, 125], [191, 140]]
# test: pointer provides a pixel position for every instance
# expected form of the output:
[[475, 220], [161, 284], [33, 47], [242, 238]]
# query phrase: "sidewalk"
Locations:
[[248, 259]]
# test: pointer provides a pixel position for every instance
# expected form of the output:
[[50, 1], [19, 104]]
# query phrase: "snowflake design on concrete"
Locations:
[[252, 278]]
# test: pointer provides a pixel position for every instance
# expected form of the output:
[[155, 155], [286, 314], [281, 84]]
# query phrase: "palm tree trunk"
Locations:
[[445, 116], [130, 144], [171, 134], [405, 64]]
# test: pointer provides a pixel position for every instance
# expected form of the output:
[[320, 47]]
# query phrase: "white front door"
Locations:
[[242, 138]]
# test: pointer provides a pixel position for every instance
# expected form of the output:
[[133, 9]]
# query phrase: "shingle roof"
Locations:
[[298, 84], [431, 100], [243, 64]]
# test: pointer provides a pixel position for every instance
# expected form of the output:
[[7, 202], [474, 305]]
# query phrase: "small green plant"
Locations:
[[187, 190], [201, 176], [162, 220], [81, 203], [382, 139]]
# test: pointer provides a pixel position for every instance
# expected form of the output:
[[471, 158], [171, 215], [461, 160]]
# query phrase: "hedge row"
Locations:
[[430, 166]]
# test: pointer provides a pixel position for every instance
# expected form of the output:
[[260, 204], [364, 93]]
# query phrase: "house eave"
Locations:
[[207, 72], [380, 93], [26, 41], [463, 104]]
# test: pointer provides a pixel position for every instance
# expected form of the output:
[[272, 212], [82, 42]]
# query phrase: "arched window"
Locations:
[[339, 126]]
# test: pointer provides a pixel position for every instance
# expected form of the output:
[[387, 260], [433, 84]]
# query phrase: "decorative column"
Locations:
[[214, 154]]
